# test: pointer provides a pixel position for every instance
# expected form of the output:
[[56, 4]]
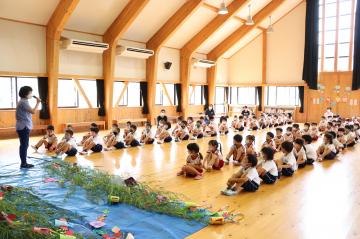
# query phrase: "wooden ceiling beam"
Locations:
[[54, 29], [124, 20], [120, 25], [194, 43], [226, 44], [157, 41], [215, 9]]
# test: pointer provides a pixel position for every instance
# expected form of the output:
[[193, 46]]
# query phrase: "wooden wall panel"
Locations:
[[7, 119], [70, 115]]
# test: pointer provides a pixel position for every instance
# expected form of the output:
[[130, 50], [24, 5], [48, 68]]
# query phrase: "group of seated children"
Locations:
[[296, 147]]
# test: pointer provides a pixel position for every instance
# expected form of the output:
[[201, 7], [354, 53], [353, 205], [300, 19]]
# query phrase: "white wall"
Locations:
[[286, 48], [80, 63], [198, 74], [127, 68], [22, 47], [222, 73], [245, 66], [173, 74]]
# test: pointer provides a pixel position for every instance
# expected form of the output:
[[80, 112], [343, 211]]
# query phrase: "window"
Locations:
[[282, 96], [336, 33], [243, 95], [90, 89], [131, 96], [70, 97], [10, 87], [67, 94], [118, 88], [196, 95], [220, 99], [161, 98], [134, 93]]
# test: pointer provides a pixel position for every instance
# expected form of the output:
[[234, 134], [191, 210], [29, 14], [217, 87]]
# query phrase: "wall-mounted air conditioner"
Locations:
[[134, 52], [84, 46], [203, 63]]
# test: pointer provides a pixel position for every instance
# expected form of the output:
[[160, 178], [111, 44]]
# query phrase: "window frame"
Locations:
[[297, 100]]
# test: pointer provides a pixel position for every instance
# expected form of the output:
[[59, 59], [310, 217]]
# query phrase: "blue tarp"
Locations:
[[140, 223]]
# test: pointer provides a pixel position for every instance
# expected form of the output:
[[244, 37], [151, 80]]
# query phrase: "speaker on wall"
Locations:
[[167, 65]]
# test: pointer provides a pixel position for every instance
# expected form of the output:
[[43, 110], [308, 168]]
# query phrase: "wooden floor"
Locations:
[[320, 201]]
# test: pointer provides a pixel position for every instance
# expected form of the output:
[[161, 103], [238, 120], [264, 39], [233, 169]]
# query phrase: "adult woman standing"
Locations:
[[24, 114], [209, 112]]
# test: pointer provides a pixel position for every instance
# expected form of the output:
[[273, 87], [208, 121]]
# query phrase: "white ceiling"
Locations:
[[243, 42], [256, 6], [152, 17], [34, 11], [95, 16], [193, 25], [216, 38]]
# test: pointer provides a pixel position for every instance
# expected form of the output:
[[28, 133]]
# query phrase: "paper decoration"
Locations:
[[97, 224], [348, 88], [337, 87], [338, 99], [321, 99], [355, 102], [61, 222], [344, 99], [351, 102], [333, 103], [328, 99]]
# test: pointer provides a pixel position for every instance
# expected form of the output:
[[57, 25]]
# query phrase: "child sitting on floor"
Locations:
[[49, 140], [159, 128], [213, 158], [311, 155], [267, 169], [234, 122], [299, 152], [113, 140], [327, 150], [197, 132], [223, 127], [130, 139], [87, 135], [190, 124], [246, 179], [182, 133], [306, 130], [287, 164], [269, 142], [93, 143], [350, 136], [341, 136], [127, 129], [253, 125], [240, 125], [67, 145], [249, 145], [164, 135], [322, 124], [288, 136], [146, 136], [279, 138], [314, 132], [177, 125], [212, 129], [193, 167], [237, 151]]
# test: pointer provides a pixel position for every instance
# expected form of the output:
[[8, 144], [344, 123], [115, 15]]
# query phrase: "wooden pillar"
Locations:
[[151, 74], [54, 28], [52, 65], [264, 67], [109, 57], [211, 79], [185, 68]]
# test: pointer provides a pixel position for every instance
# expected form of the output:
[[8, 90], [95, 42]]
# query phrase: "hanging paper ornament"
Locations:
[[337, 99], [344, 99], [321, 99], [333, 103], [348, 88]]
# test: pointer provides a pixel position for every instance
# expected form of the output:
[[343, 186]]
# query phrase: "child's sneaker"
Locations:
[[198, 177], [230, 193], [226, 161], [34, 147]]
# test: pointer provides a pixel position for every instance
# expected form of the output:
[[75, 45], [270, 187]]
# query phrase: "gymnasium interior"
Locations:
[[94, 65]]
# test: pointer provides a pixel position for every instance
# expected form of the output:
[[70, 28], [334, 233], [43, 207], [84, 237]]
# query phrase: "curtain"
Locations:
[[206, 96], [259, 95], [310, 68], [43, 94], [226, 103], [144, 96], [301, 98], [178, 96], [356, 64], [100, 97]]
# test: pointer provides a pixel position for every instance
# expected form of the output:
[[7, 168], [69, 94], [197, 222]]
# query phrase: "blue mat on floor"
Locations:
[[140, 223]]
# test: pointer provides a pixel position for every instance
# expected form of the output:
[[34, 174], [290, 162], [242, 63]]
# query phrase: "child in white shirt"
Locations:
[[237, 151], [299, 152], [287, 164], [327, 150], [146, 135], [311, 155], [246, 178], [67, 145], [93, 143], [267, 169]]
